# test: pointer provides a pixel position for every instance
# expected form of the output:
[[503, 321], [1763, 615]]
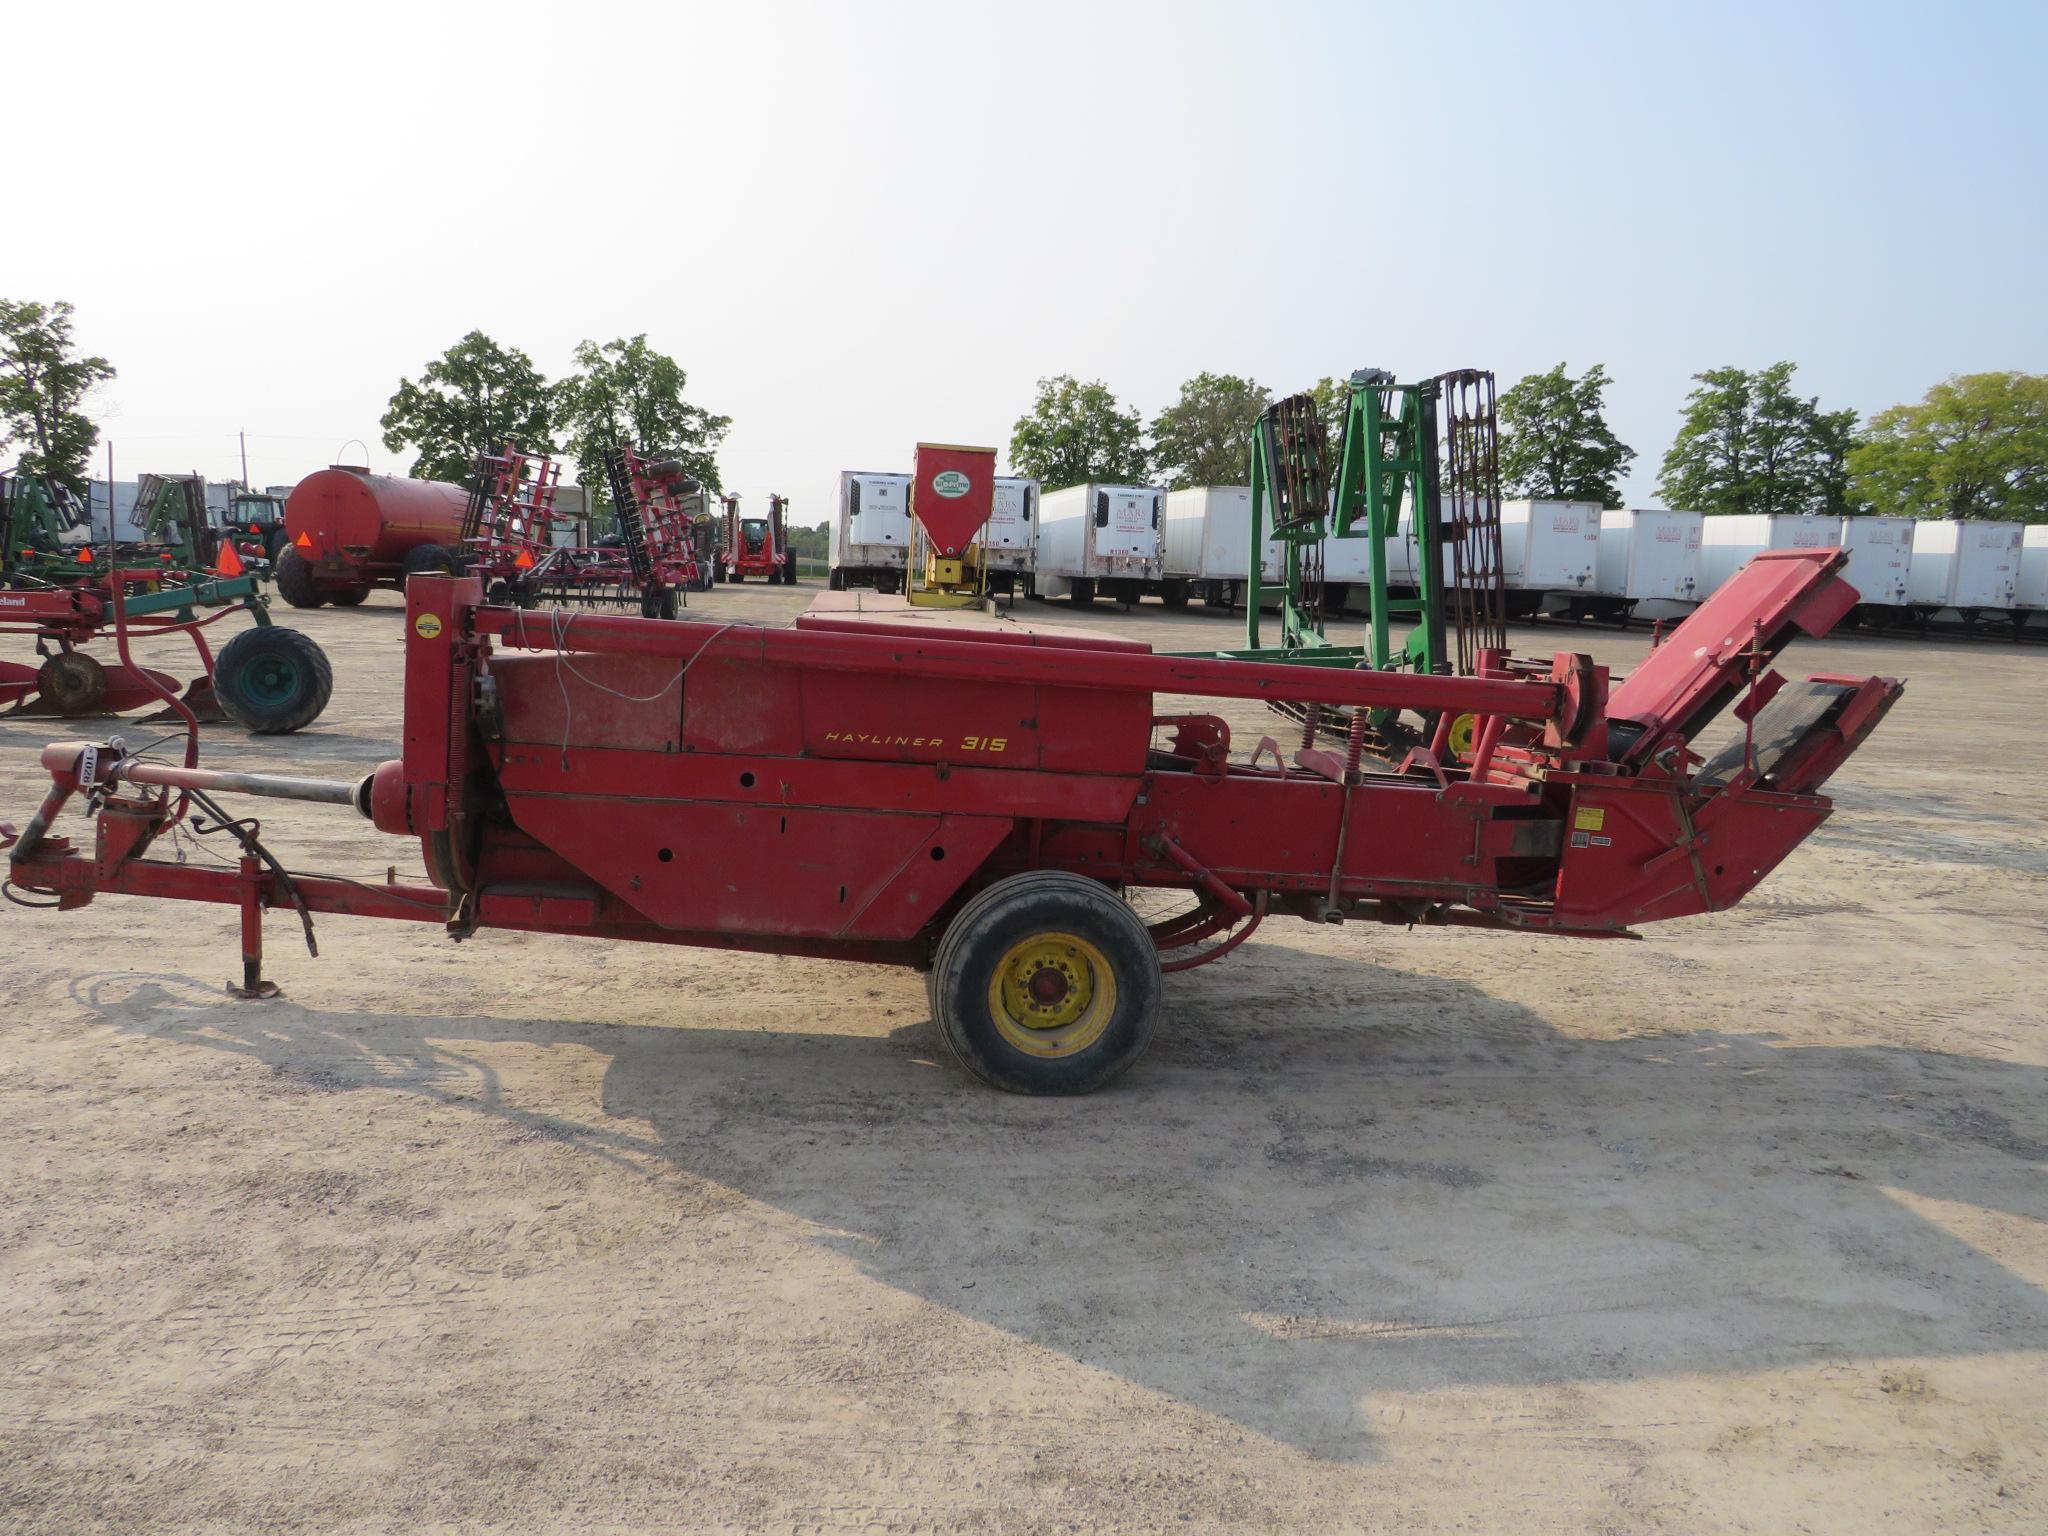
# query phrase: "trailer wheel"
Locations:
[[835, 580], [429, 559], [348, 597], [1174, 594], [295, 580], [72, 683], [272, 680], [1081, 591], [1046, 983]]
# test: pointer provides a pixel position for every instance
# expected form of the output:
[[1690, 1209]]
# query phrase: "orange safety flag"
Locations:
[[230, 561], [524, 562], [304, 541]]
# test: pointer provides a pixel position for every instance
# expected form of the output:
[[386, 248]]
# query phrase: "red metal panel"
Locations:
[[1679, 682], [743, 706], [979, 664], [721, 867], [1629, 857], [781, 782], [435, 610], [591, 701], [952, 493]]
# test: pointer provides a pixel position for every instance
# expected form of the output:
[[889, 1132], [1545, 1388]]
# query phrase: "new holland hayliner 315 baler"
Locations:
[[978, 801]]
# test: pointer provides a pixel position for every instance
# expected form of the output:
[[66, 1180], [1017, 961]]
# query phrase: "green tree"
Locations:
[[1746, 443], [1975, 446], [471, 398], [626, 391], [1555, 444], [1205, 437], [1076, 433], [43, 382]]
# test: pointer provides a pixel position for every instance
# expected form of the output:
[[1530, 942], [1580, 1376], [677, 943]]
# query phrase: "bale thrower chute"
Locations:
[[976, 800]]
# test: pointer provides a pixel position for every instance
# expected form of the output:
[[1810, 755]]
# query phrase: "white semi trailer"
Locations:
[[1646, 555], [1972, 567], [1547, 547], [1880, 567], [1731, 541], [870, 537], [2033, 598], [1099, 538], [1008, 539], [1206, 544]]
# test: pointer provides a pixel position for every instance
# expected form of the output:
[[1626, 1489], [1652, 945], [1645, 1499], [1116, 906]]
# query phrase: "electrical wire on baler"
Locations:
[[559, 621]]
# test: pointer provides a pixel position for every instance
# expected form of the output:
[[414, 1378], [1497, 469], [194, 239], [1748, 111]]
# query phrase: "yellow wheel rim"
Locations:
[[1464, 731], [1052, 994]]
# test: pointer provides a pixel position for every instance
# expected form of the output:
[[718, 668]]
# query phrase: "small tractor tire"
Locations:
[[429, 560], [349, 597], [1046, 983], [295, 580], [272, 680], [72, 683]]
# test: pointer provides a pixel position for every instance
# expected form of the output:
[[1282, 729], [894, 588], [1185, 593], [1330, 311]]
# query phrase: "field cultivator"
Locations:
[[667, 531], [756, 546], [978, 801], [184, 578]]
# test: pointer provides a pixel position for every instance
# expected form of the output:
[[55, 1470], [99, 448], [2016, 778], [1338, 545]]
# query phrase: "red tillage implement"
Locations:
[[976, 801]]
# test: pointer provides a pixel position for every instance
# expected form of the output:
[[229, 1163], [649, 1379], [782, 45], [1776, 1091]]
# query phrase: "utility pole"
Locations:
[[245, 460]]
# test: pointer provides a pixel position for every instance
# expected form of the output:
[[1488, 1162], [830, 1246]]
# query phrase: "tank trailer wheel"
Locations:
[[72, 683], [272, 680], [349, 597], [1046, 983], [428, 559], [295, 580]]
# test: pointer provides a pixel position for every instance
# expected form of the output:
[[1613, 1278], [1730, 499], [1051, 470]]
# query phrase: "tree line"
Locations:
[[479, 394], [1975, 446], [474, 396]]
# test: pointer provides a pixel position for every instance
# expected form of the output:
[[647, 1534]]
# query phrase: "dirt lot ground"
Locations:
[[1741, 1228]]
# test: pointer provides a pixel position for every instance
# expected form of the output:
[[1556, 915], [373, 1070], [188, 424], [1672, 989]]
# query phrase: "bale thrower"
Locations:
[[976, 800]]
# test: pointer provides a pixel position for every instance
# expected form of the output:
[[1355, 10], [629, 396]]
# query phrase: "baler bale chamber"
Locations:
[[978, 801]]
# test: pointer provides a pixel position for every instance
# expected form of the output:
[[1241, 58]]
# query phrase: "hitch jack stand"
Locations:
[[253, 987]]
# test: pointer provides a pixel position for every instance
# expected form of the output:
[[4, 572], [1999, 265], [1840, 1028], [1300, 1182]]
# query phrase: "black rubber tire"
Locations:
[[72, 683], [429, 559], [272, 680], [658, 603], [1082, 591], [275, 543], [295, 580], [349, 597], [1010, 912], [1174, 594]]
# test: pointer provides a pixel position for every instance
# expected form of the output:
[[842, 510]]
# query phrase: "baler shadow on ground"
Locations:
[[1443, 1192]]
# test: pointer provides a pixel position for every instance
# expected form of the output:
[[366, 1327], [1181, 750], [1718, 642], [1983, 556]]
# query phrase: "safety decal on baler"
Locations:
[[1587, 822]]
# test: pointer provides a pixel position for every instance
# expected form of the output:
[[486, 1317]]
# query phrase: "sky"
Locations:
[[863, 225]]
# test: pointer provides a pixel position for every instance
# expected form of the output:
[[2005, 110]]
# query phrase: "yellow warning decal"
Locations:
[[428, 625], [1589, 818]]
